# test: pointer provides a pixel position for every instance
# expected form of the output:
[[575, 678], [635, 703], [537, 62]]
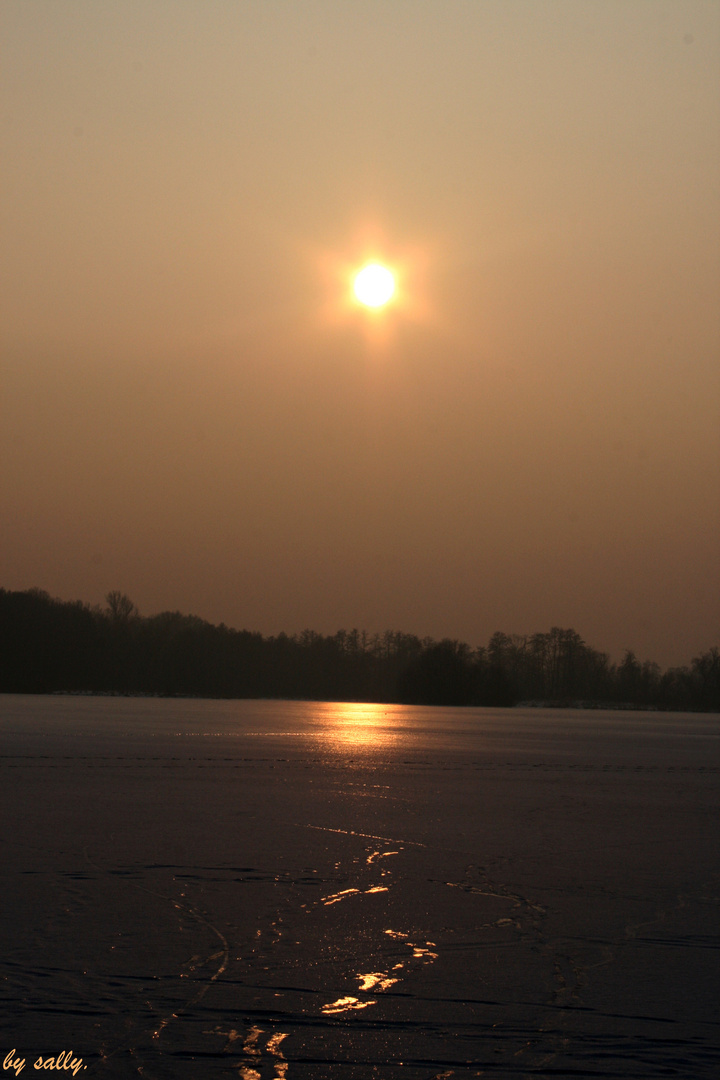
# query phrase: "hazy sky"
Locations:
[[195, 412]]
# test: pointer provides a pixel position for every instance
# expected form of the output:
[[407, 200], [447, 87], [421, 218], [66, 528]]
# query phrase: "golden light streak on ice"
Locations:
[[334, 898], [345, 1004], [379, 979]]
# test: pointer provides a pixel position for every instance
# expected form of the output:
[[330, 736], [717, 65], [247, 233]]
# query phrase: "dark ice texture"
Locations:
[[317, 891]]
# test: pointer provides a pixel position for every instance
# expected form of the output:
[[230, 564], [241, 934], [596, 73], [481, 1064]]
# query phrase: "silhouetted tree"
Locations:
[[706, 672], [441, 675], [120, 607], [48, 645]]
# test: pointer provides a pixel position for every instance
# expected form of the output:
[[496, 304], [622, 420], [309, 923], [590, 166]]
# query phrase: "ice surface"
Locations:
[[308, 891]]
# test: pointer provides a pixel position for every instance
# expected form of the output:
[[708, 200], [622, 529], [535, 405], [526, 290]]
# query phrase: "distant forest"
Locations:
[[51, 646]]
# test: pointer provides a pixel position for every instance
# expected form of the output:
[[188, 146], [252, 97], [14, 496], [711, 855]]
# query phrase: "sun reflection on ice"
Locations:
[[365, 726], [247, 1069], [345, 1004], [334, 898], [379, 979], [379, 855]]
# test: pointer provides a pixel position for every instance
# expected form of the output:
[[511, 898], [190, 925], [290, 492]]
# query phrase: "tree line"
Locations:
[[49, 645]]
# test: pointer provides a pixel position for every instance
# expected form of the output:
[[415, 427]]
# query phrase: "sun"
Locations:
[[374, 285]]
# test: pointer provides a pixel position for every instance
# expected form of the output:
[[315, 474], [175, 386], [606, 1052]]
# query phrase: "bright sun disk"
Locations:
[[374, 285]]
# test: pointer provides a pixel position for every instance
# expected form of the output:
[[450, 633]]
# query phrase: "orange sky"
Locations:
[[194, 412]]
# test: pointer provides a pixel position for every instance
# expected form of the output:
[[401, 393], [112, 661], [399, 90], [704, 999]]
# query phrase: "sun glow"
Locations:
[[374, 285]]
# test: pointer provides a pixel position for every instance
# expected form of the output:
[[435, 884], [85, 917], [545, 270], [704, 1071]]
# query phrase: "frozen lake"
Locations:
[[343, 892]]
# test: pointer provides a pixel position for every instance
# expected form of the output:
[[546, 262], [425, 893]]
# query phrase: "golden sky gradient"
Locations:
[[194, 409]]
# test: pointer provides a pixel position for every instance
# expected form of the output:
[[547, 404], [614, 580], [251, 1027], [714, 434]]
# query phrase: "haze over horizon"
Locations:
[[194, 411]]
